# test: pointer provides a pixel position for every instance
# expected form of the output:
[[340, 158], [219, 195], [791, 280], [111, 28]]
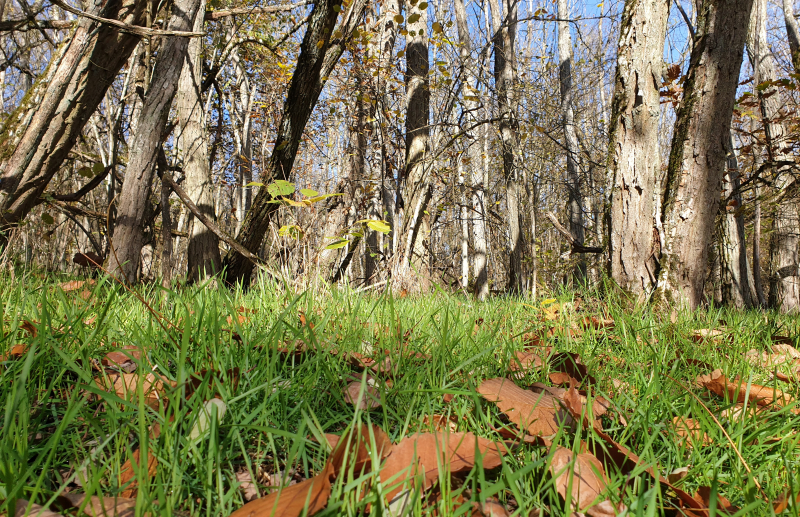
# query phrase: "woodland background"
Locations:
[[489, 145]]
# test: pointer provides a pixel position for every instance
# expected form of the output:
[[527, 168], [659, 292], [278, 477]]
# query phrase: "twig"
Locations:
[[576, 247], [216, 15], [133, 29]]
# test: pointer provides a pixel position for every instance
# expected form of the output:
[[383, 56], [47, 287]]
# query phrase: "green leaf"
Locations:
[[291, 230], [323, 196], [437, 27], [399, 18], [422, 6], [414, 17], [254, 184], [308, 192], [341, 243], [380, 226], [97, 168], [280, 188], [337, 8], [86, 172], [47, 218]]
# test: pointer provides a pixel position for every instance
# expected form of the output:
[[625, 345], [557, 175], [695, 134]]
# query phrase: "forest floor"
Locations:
[[234, 396]]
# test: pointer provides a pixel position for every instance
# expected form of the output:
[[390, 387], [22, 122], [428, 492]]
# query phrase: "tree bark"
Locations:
[[574, 200], [144, 145], [411, 270], [203, 258], [692, 190], [37, 137], [315, 63], [633, 155], [505, 30], [792, 33], [784, 279]]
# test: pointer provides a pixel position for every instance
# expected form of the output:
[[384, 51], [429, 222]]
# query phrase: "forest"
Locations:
[[399, 257]]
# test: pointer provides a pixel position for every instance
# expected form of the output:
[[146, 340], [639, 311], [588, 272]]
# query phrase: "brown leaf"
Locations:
[[704, 335], [124, 359], [126, 386], [290, 501], [104, 506], [127, 473], [688, 428], [369, 399], [490, 508], [29, 327], [229, 378], [355, 447], [571, 364], [600, 405], [440, 422], [248, 488], [239, 317], [527, 360], [588, 479], [74, 285], [736, 390], [423, 454], [35, 509], [534, 413], [723, 505], [16, 352]]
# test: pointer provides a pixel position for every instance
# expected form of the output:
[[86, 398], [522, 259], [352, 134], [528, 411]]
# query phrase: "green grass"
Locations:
[[58, 426]]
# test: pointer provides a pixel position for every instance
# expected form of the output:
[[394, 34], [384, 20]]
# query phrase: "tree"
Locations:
[[146, 143], [693, 186], [191, 138], [37, 137], [320, 50], [633, 156]]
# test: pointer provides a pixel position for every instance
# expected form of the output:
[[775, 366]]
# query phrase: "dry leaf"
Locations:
[[126, 386], [528, 360], [440, 422], [74, 285], [16, 352], [490, 508], [124, 359], [127, 473], [691, 429], [239, 317], [423, 454], [370, 398], [29, 327], [534, 413], [104, 506], [737, 390], [677, 474], [35, 509], [588, 479], [248, 488], [723, 505]]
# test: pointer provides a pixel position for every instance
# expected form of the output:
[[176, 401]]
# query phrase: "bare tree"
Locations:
[[633, 156], [692, 190]]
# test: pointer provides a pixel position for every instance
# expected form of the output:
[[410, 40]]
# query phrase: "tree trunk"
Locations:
[[574, 199], [315, 63], [784, 281], [505, 30], [203, 258], [37, 137], [146, 142], [735, 274], [792, 33], [633, 155], [692, 190], [471, 107], [411, 270]]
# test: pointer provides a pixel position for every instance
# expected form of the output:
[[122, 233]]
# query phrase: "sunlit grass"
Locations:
[[62, 433]]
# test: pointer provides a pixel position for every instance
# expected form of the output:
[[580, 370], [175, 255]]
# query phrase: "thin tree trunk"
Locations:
[[574, 187], [792, 33], [144, 145], [784, 280], [474, 164], [416, 190], [762, 300], [633, 155], [37, 137], [691, 196], [203, 258], [166, 236], [315, 63]]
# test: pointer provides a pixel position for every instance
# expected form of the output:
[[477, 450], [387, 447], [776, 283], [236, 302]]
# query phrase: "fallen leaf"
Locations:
[[585, 472], [526, 361], [127, 473], [246, 485], [74, 285], [21, 510], [370, 398], [213, 378], [534, 413], [703, 335], [688, 428], [440, 422], [239, 318], [723, 505], [737, 390], [571, 364], [420, 457], [29, 327], [16, 352], [104, 506], [489, 508], [124, 359], [126, 386], [600, 405], [677, 474]]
